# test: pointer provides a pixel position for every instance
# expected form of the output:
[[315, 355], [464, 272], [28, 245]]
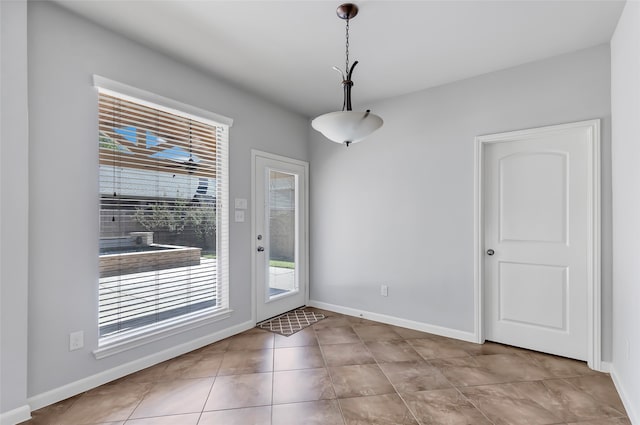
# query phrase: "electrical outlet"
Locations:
[[76, 340], [628, 350], [384, 290]]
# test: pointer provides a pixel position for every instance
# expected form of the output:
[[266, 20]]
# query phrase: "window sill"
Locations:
[[113, 345]]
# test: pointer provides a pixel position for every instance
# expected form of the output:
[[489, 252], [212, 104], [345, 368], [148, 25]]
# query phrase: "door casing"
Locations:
[[255, 210], [594, 349]]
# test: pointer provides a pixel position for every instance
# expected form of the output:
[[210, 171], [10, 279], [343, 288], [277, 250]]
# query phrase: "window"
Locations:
[[163, 214]]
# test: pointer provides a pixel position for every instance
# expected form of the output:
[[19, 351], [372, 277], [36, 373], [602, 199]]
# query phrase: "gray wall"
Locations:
[[14, 207], [397, 209], [625, 106], [64, 51]]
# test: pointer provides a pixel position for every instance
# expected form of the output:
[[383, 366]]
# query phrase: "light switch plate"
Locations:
[[239, 216], [241, 203]]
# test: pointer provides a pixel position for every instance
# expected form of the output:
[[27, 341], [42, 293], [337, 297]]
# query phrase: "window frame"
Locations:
[[108, 346]]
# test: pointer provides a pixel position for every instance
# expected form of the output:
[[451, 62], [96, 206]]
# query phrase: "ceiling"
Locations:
[[284, 50]]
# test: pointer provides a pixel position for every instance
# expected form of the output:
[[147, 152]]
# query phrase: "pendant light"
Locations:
[[347, 126]]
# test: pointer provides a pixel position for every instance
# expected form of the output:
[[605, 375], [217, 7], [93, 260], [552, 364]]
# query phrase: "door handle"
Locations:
[[490, 252], [260, 248]]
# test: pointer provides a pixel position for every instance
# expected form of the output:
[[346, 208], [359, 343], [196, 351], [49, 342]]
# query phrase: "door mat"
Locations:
[[291, 322]]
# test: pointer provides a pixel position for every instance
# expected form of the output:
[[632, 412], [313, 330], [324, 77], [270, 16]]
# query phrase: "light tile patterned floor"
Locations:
[[349, 371]]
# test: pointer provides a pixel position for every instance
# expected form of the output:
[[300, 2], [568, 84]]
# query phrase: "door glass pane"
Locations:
[[283, 235]]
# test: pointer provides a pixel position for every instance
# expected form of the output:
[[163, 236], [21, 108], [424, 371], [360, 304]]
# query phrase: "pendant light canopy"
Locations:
[[347, 126]]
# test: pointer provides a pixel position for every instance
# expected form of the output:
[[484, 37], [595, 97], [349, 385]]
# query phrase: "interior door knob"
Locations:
[[260, 248], [490, 252]]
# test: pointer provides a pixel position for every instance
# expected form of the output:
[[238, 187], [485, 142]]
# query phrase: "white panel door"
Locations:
[[536, 231], [280, 234]]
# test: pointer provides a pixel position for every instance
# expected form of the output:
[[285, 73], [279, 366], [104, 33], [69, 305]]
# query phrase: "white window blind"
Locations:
[[163, 216]]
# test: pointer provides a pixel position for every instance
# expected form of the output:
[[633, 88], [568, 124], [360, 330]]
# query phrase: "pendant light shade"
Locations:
[[347, 126]]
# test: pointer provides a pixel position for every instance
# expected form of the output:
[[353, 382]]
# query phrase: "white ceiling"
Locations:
[[284, 50]]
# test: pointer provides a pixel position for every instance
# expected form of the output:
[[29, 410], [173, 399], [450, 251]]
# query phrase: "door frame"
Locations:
[[594, 291], [254, 215]]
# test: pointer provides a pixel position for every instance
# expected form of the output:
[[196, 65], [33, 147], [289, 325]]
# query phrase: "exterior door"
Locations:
[[280, 234], [538, 218]]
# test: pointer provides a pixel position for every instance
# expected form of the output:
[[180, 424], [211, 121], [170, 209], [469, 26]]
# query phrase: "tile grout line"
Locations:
[[167, 375], [153, 384], [455, 387], [324, 359], [215, 378], [623, 415], [535, 362], [273, 376], [469, 400], [385, 375]]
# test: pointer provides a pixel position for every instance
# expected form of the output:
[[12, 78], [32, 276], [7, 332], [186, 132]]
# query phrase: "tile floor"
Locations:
[[349, 371]]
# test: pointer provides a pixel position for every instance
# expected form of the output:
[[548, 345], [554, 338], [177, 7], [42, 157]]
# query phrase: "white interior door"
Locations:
[[280, 234], [538, 215]]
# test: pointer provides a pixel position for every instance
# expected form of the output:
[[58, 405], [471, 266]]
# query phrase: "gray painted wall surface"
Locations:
[[397, 209], [64, 52], [14, 184], [625, 106]]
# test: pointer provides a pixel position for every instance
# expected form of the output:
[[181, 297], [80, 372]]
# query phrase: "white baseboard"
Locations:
[[85, 384], [605, 367], [15, 416], [632, 413], [396, 321]]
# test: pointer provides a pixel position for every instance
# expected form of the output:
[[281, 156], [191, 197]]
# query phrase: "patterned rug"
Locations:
[[289, 323]]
